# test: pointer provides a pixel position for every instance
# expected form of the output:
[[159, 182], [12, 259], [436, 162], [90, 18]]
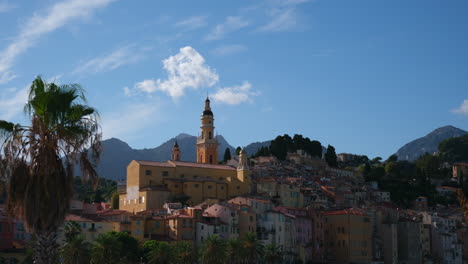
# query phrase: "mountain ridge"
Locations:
[[117, 154], [428, 143]]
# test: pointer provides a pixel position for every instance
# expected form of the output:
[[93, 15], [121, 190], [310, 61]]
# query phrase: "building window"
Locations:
[[222, 187], [165, 173], [238, 187], [142, 199], [209, 186], [209, 135], [211, 159], [196, 185], [176, 185], [148, 172], [182, 175]]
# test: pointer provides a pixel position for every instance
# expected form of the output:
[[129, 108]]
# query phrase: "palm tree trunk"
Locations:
[[46, 247]]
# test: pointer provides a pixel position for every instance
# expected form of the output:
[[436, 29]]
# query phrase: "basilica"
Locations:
[[150, 184]]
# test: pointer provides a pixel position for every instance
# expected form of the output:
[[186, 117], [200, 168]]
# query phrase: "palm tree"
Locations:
[[76, 251], [38, 159], [252, 248], [184, 252], [162, 253], [213, 250], [235, 251], [71, 230], [272, 254]]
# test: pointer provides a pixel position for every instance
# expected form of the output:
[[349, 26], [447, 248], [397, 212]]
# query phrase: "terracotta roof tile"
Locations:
[[154, 163], [201, 165]]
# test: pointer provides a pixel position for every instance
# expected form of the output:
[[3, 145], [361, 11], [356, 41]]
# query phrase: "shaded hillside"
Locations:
[[429, 143]]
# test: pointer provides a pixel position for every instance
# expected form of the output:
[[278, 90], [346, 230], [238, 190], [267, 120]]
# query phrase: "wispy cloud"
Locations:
[[231, 23], [185, 70], [229, 49], [5, 6], [281, 20], [192, 23], [283, 15], [12, 102], [235, 94], [462, 109], [111, 61], [41, 24]]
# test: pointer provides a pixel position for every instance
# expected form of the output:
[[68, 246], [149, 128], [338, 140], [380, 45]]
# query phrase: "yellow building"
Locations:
[[150, 184], [348, 237]]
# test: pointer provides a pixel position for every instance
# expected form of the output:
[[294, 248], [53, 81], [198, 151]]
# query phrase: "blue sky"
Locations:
[[365, 76]]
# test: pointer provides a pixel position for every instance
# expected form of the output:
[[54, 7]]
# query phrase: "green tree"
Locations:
[[184, 252], [76, 251], [430, 165], [227, 155], [314, 148], [252, 248], [392, 158], [115, 201], [71, 230], [115, 247], [213, 250], [330, 156], [272, 254], [238, 150], [235, 251], [280, 145], [161, 253], [454, 149], [39, 159]]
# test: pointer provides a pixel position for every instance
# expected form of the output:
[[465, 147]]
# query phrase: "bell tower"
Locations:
[[175, 152], [207, 144]]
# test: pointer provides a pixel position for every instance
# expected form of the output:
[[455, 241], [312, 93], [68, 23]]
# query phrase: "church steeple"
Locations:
[[207, 144], [175, 152]]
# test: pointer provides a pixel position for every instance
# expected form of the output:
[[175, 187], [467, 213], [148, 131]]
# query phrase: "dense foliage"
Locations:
[[454, 149], [103, 193], [408, 180], [330, 156], [119, 247], [38, 159], [281, 145], [227, 155]]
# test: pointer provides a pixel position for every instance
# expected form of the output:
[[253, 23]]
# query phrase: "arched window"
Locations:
[[201, 158], [209, 135], [211, 159]]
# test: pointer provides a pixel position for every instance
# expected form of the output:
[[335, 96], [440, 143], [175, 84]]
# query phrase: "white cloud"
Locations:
[[128, 120], [231, 23], [111, 61], [235, 95], [229, 49], [5, 6], [462, 109], [186, 70], [193, 22], [12, 103], [43, 23]]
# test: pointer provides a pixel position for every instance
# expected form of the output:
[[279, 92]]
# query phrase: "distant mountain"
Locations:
[[116, 154], [252, 148], [429, 143]]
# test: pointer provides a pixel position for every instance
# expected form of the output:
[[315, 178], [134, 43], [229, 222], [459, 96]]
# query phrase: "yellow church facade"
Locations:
[[150, 184]]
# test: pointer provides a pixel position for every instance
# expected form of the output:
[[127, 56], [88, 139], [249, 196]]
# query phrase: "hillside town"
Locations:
[[313, 212]]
